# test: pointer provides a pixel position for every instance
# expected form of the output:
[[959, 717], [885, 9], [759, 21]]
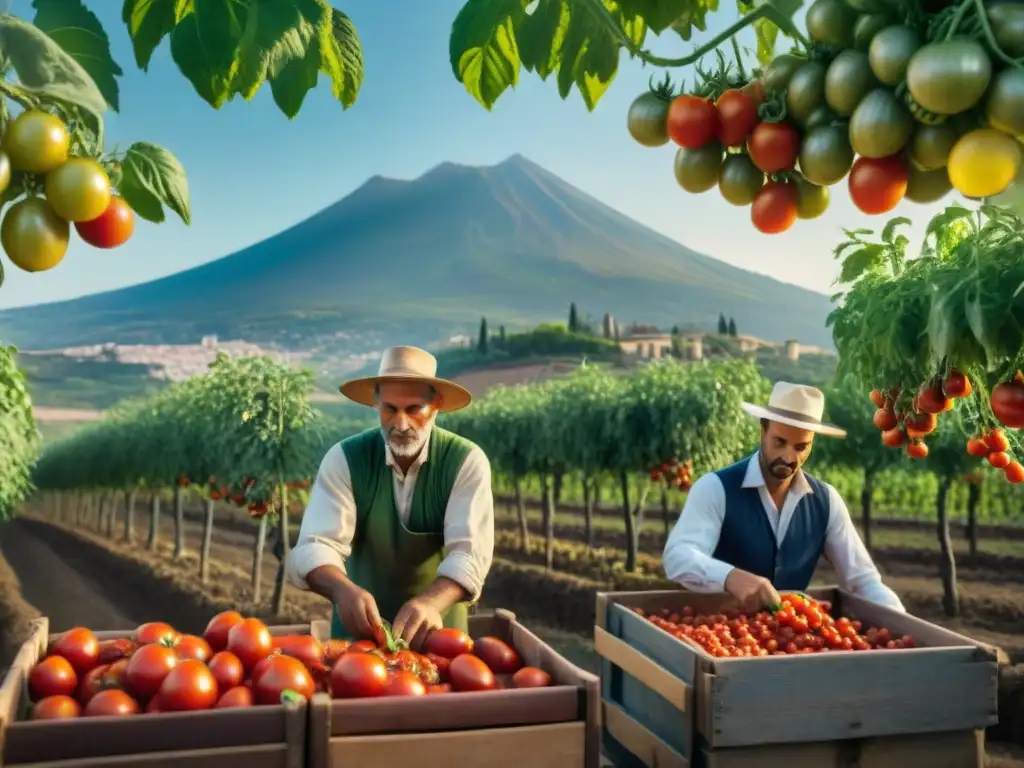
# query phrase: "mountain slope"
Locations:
[[411, 259]]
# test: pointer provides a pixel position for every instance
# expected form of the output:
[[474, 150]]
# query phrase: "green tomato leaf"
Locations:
[[341, 57], [272, 34], [77, 30], [659, 15], [541, 35], [205, 46], [483, 49], [149, 22], [297, 77], [859, 262], [694, 17], [590, 52], [47, 72], [152, 178]]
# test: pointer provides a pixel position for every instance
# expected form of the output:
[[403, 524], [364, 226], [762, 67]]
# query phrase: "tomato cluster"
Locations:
[[799, 625], [242, 494], [900, 107], [674, 474], [906, 424], [35, 232], [238, 663]]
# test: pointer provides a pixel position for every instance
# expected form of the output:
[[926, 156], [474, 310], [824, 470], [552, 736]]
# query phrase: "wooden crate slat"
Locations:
[[640, 742], [263, 756], [650, 673]]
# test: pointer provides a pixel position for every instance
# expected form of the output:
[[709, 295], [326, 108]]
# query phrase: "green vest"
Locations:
[[392, 561]]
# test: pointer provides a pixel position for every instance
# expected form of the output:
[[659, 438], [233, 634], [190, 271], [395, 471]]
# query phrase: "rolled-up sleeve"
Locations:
[[328, 524], [469, 526], [687, 557], [848, 555]]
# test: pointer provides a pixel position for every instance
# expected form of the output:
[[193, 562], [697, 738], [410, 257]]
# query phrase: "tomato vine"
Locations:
[[19, 438]]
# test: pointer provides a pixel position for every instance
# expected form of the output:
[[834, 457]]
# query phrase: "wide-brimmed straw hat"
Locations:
[[407, 364], [798, 406]]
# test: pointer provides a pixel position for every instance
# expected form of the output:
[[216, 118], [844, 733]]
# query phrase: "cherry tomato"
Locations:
[[737, 116], [147, 669], [531, 677], [692, 121], [155, 632], [111, 703], [53, 676], [469, 673], [79, 646], [999, 459], [78, 189], [281, 674], [774, 147], [359, 675], [216, 632], [877, 185], [498, 655], [239, 696], [190, 685], [227, 670], [1014, 472], [36, 141], [448, 642], [58, 707], [250, 641], [775, 207], [192, 647], [111, 228], [402, 683]]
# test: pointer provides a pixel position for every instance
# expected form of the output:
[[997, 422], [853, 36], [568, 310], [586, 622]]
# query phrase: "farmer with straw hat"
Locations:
[[400, 521], [762, 524]]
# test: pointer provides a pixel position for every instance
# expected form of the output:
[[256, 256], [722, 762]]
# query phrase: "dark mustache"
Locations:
[[781, 463]]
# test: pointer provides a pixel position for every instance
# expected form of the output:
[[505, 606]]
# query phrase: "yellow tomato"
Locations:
[[33, 236], [36, 142], [984, 162], [79, 190], [5, 172]]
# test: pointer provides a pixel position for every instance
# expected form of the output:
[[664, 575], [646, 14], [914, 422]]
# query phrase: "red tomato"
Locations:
[[775, 207], [877, 185], [333, 650], [154, 706], [111, 703], [774, 147], [441, 663], [190, 685], [115, 650], [359, 675], [692, 121], [250, 641], [155, 632], [996, 440], [402, 683], [999, 460], [79, 646], [439, 688], [957, 385], [1014, 472], [216, 632], [92, 683], [469, 673], [53, 676], [448, 642], [1007, 403], [305, 648], [282, 673], [58, 707], [192, 647], [239, 696], [363, 646], [148, 667], [737, 116], [531, 677], [111, 228], [498, 655], [227, 670]]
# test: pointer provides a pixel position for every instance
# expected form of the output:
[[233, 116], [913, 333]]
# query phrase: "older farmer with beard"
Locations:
[[400, 521], [762, 524]]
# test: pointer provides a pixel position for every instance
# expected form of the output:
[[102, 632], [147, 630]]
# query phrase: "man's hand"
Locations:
[[753, 592], [358, 612], [415, 620]]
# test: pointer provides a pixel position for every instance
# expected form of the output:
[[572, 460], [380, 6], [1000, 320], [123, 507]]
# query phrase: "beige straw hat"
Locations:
[[797, 405], [407, 364]]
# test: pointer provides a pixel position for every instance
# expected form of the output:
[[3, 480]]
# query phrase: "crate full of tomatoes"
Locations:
[[496, 696], [689, 679]]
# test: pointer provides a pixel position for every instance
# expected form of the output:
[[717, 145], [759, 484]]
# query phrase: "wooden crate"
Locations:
[[669, 704], [555, 727], [256, 737]]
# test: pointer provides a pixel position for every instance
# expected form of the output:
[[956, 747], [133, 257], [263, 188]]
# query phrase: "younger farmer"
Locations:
[[400, 521], [762, 524]]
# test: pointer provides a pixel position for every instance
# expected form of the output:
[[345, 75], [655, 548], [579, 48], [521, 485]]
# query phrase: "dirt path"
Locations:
[[64, 587]]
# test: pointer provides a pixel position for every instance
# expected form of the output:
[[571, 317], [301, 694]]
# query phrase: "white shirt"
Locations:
[[329, 523], [687, 557]]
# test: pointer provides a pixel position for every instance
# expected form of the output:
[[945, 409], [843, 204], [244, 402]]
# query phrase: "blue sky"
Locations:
[[252, 172]]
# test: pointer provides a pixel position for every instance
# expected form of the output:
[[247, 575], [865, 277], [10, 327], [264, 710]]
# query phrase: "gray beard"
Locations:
[[406, 450]]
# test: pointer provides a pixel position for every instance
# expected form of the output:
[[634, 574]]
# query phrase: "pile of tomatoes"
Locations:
[[905, 421], [237, 662], [36, 230], [896, 103], [799, 625], [674, 474]]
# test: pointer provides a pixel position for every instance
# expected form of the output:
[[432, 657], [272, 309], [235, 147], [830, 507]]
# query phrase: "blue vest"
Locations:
[[748, 542]]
